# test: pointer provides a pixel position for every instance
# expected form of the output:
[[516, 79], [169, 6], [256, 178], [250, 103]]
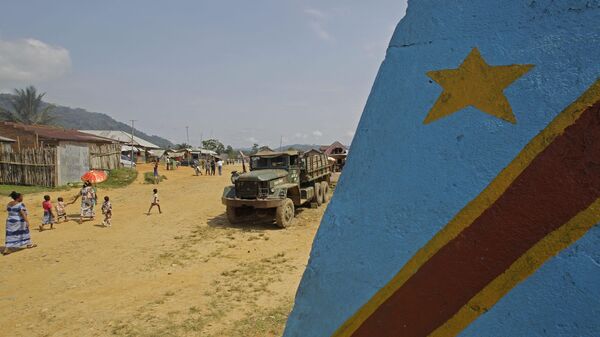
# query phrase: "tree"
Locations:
[[254, 148], [213, 145], [182, 146], [27, 107], [231, 153]]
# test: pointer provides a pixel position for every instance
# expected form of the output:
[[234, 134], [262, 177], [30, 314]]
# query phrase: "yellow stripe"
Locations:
[[473, 210], [520, 270]]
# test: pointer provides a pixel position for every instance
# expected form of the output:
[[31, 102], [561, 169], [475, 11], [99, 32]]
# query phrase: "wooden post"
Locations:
[[56, 166]]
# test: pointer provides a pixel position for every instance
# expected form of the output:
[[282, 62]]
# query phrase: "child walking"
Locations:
[[107, 211], [61, 212], [155, 201], [48, 218]]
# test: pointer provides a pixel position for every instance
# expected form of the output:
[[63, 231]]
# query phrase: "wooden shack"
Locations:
[[52, 156]]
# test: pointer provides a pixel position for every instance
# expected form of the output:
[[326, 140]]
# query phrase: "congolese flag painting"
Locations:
[[470, 201]]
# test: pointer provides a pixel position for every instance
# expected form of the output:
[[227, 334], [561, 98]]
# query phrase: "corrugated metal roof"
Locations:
[[122, 137], [127, 148], [175, 154], [203, 151], [329, 149], [56, 133], [157, 153], [6, 140]]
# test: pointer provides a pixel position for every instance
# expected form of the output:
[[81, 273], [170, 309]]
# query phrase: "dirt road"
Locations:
[[186, 272]]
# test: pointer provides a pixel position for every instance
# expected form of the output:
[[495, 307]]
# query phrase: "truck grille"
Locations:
[[247, 189]]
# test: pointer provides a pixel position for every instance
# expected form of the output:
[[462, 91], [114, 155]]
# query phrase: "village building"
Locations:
[[337, 151], [156, 155], [201, 154], [52, 156], [141, 148]]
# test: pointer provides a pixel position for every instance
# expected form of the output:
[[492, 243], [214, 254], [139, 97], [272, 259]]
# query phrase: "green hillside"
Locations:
[[81, 119]]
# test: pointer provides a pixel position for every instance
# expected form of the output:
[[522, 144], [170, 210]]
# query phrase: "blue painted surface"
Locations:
[[412, 179]]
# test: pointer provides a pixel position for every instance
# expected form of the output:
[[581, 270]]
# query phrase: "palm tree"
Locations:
[[27, 108]]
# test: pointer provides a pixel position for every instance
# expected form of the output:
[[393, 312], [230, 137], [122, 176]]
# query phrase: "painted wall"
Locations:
[[482, 221], [73, 161]]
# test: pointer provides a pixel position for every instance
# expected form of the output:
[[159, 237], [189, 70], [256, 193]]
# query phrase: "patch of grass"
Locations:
[[5, 190], [149, 178], [262, 322], [120, 177]]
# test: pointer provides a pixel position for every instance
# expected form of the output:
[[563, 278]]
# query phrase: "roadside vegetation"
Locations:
[[117, 178], [149, 178], [120, 177], [6, 189]]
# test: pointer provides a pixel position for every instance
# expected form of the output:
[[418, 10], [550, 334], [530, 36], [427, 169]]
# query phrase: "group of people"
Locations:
[[89, 200], [211, 166], [17, 222]]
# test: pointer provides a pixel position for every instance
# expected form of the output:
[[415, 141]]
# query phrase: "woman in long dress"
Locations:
[[17, 225], [88, 200]]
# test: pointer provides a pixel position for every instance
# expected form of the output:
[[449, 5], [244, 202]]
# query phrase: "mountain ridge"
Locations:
[[82, 119]]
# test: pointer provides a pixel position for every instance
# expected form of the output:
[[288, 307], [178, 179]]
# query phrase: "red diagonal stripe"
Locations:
[[563, 180]]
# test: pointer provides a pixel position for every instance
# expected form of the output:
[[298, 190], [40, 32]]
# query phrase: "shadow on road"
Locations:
[[257, 224]]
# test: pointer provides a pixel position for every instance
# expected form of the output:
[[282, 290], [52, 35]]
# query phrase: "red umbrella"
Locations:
[[94, 176]]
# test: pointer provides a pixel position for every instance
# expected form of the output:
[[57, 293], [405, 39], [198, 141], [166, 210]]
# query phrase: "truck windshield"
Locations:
[[269, 163]]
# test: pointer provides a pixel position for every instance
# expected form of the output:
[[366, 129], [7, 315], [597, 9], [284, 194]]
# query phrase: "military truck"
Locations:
[[277, 183]]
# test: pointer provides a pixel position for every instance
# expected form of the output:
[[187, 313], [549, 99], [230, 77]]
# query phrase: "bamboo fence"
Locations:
[[28, 167], [105, 157]]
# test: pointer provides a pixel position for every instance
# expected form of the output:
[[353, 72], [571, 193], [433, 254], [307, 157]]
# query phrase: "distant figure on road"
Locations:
[[207, 167], [156, 178], [212, 167], [88, 200], [107, 211], [196, 166], [61, 212], [17, 225], [220, 166], [155, 201], [48, 218]]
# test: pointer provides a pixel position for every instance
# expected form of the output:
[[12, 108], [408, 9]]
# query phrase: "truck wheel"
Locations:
[[325, 189], [232, 215], [318, 194], [285, 213]]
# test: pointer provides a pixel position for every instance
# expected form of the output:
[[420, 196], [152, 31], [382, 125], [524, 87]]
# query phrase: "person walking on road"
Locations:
[[17, 225], [220, 166], [48, 218], [107, 211], [88, 200], [155, 201], [206, 165], [156, 177]]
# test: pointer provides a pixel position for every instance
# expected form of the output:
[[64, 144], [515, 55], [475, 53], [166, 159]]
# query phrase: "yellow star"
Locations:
[[477, 84]]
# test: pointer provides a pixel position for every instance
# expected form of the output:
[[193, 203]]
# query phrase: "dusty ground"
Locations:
[[186, 272]]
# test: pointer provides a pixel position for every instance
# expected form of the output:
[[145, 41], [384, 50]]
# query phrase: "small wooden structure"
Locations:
[[141, 147], [105, 156], [6, 144], [52, 156], [29, 167]]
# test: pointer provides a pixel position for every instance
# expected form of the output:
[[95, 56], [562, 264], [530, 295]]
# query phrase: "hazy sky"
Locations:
[[240, 71]]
